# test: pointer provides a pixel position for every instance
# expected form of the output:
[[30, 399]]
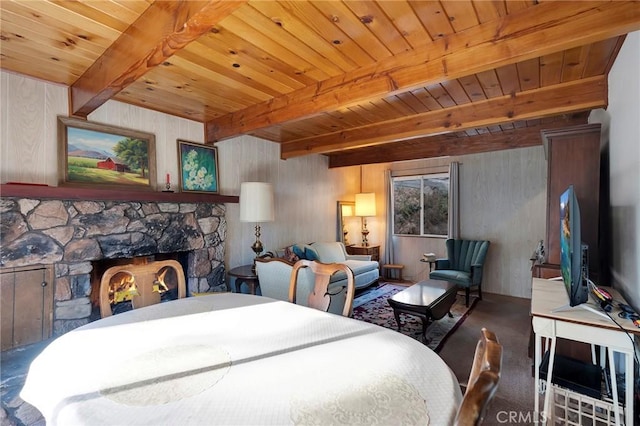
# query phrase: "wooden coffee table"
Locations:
[[429, 300]]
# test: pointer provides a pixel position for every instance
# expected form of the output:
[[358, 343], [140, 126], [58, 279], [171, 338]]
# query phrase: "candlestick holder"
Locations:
[[168, 187]]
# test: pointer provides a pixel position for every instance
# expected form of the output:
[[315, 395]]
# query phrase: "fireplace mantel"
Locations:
[[72, 193]]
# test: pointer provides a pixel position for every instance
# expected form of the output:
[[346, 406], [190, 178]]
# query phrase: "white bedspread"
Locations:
[[239, 359]]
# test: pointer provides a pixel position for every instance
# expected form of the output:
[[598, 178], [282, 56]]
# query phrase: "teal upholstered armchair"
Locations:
[[464, 264]]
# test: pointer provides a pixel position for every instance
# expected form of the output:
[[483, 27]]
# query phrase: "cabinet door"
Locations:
[[27, 305], [573, 158]]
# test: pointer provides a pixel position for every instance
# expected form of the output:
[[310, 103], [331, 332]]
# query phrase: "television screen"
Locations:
[[572, 260]]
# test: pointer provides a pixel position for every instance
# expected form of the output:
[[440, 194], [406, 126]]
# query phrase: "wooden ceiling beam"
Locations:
[[537, 31], [449, 145], [558, 99], [163, 29]]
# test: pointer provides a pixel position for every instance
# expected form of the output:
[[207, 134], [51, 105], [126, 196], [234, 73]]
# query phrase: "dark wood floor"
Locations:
[[509, 318]]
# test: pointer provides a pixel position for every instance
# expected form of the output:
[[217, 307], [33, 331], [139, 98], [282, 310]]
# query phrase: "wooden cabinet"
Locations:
[[26, 305], [573, 158], [373, 251]]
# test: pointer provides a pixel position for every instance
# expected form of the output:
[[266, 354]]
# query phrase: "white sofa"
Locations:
[[365, 271]]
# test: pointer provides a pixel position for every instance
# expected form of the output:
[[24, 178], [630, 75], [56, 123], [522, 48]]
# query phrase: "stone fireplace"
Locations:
[[72, 234]]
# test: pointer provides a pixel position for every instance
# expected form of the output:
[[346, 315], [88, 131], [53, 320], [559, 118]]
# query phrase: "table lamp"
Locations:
[[365, 207], [256, 205]]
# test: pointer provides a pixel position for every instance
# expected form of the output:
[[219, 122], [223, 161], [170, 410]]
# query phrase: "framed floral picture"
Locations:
[[198, 167]]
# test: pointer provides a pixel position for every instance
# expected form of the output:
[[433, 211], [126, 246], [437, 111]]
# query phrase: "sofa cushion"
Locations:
[[367, 278], [330, 252], [298, 250], [310, 253], [364, 272], [361, 280], [289, 255], [361, 266]]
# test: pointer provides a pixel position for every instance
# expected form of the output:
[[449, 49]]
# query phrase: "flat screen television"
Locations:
[[573, 254]]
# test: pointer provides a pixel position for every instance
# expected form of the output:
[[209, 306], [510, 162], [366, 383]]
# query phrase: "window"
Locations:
[[421, 205]]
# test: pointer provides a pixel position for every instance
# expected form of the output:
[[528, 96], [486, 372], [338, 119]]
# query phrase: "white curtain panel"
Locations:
[[454, 200], [388, 243]]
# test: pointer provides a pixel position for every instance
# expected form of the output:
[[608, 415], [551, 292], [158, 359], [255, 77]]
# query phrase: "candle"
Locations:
[[168, 178]]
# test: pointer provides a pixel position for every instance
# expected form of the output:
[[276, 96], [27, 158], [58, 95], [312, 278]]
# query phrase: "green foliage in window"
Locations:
[[421, 205], [406, 215], [436, 206]]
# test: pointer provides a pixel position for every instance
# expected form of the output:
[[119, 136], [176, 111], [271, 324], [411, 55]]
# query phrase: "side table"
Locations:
[[373, 251], [431, 263], [245, 274]]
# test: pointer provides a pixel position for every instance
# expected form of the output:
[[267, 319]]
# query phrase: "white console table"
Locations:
[[583, 326]]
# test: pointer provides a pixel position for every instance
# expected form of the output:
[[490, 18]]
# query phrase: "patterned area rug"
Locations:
[[373, 307]]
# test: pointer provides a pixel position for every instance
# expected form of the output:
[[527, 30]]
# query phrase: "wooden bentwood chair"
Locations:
[[319, 297], [483, 380], [148, 281]]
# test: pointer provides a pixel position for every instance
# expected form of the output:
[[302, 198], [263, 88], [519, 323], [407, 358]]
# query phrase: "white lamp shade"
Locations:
[[347, 210], [256, 202], [366, 204]]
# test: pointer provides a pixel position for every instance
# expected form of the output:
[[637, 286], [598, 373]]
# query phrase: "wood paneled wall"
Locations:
[[28, 130], [502, 199], [622, 130], [306, 192]]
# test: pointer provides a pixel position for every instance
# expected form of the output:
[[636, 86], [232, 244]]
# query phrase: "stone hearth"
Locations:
[[70, 234]]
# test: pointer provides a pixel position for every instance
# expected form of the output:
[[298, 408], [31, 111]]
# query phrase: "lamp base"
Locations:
[[257, 247], [365, 233], [365, 242]]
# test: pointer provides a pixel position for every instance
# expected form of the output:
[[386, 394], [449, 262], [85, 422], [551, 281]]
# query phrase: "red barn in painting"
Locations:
[[110, 164]]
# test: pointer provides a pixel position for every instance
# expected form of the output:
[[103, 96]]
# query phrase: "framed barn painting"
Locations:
[[198, 167], [101, 156]]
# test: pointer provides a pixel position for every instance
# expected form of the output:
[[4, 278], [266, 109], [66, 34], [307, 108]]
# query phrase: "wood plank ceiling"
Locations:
[[360, 81]]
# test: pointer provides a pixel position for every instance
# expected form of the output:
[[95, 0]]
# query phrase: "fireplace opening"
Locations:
[[119, 285]]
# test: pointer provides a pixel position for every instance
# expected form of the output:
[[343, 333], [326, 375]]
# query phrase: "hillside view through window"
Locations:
[[421, 205]]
